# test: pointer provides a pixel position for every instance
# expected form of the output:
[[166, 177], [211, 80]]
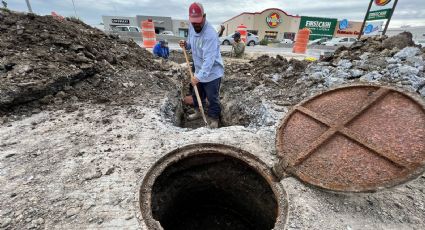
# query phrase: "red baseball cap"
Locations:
[[196, 12]]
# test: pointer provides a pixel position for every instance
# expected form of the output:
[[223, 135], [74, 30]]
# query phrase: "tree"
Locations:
[[4, 3]]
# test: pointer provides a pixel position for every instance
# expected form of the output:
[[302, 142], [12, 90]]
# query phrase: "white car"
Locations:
[[318, 41], [251, 39], [286, 41], [170, 33], [126, 29], [340, 42]]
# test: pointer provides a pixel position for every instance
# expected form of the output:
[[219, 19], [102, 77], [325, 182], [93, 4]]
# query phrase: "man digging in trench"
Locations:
[[209, 68]]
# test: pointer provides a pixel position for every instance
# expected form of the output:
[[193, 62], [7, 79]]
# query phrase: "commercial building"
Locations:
[[178, 27], [161, 23], [181, 28], [109, 22], [269, 24], [277, 24]]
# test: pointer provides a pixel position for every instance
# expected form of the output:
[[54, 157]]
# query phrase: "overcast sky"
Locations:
[[408, 12]]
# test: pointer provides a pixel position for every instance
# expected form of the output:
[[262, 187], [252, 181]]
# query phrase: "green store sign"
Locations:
[[379, 14], [320, 27]]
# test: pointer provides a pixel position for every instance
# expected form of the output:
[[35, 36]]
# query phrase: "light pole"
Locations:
[[75, 11], [389, 18], [29, 6]]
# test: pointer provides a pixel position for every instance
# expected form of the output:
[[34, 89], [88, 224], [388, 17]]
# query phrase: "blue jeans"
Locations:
[[211, 91]]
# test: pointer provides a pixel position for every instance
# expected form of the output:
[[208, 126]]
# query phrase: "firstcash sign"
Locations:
[[273, 20]]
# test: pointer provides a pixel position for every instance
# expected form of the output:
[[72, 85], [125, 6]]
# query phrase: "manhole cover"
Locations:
[[356, 138]]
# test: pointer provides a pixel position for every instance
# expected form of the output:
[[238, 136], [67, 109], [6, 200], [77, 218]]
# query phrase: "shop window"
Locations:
[[133, 29], [287, 35], [271, 35], [159, 30], [183, 33]]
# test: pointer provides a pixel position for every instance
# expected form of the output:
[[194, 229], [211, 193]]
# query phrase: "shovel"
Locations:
[[198, 98]]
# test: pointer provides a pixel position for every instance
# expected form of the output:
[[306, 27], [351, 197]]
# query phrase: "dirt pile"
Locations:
[[54, 60], [248, 88], [252, 91]]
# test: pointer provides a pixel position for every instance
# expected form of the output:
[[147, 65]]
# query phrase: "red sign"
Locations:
[[382, 2], [273, 20]]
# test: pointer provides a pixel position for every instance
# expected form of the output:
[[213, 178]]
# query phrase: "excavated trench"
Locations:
[[211, 186], [233, 113]]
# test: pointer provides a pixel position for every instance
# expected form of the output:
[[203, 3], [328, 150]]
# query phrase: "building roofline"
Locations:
[[253, 13]]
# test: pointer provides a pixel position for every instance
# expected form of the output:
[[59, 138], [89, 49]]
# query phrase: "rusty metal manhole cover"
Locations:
[[356, 138]]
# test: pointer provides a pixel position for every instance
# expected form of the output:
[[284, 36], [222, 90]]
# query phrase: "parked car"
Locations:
[[126, 29], [318, 41], [251, 39], [286, 41], [170, 33], [340, 42]]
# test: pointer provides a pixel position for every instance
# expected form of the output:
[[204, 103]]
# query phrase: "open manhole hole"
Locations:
[[212, 186], [358, 138]]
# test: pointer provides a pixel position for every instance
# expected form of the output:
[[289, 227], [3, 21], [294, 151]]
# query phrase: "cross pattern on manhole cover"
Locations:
[[356, 138], [340, 127]]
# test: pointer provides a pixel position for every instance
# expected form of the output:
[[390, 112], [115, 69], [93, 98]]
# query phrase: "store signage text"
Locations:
[[382, 2], [347, 32], [121, 21], [273, 20], [318, 24], [379, 14]]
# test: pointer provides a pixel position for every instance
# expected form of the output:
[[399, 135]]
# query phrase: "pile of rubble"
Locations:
[[252, 91], [248, 88], [392, 61], [45, 61]]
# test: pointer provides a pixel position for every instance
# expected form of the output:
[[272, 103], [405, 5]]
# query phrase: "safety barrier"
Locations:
[[148, 34], [243, 31], [301, 41]]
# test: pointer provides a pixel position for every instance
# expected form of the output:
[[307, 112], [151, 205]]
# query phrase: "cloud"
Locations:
[[408, 12]]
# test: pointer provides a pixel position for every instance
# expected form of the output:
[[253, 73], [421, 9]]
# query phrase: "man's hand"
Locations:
[[182, 44], [194, 81]]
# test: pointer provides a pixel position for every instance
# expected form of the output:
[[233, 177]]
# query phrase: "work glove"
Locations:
[[182, 44]]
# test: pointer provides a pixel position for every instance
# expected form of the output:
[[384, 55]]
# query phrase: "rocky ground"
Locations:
[[77, 137]]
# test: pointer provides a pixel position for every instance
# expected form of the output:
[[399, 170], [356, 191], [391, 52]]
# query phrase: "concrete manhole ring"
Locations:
[[214, 186], [354, 139]]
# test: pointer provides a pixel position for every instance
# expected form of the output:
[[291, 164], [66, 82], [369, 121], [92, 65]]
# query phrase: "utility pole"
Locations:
[[75, 11], [364, 20], [389, 19], [29, 6]]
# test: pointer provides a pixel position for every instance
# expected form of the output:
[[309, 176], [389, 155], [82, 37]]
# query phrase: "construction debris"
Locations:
[[84, 115], [52, 61]]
